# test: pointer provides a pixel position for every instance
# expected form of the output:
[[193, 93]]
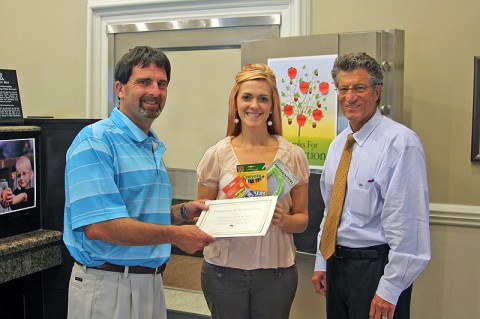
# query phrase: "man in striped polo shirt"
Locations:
[[118, 215]]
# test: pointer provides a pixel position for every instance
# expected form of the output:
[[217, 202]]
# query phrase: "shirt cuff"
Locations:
[[388, 291], [320, 264]]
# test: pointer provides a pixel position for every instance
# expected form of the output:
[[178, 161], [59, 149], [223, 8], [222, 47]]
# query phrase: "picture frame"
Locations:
[[475, 151], [20, 172]]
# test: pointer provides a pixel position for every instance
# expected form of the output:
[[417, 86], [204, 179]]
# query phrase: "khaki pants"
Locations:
[[98, 294]]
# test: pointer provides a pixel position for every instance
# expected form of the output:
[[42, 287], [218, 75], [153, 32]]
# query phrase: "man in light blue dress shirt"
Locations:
[[383, 239]]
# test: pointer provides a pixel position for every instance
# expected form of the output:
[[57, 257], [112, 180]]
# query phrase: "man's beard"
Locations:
[[150, 113]]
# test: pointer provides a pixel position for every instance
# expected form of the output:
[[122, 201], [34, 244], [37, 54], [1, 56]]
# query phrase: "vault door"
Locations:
[[386, 46]]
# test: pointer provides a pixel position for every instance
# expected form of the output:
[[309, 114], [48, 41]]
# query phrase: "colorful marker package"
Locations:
[[256, 177], [238, 188]]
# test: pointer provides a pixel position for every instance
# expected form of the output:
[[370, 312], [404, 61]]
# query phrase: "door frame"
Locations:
[[295, 16]]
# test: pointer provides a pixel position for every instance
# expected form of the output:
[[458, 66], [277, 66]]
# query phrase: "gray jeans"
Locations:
[[242, 294]]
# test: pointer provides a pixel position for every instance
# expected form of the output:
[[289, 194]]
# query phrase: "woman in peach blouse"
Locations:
[[254, 277]]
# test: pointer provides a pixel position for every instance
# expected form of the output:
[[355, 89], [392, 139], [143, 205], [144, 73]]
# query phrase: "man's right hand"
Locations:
[[190, 238], [319, 281]]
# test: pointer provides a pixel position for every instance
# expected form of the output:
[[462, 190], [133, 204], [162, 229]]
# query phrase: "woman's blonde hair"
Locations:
[[248, 73]]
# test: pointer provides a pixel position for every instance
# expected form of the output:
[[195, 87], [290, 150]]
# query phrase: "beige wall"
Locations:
[[45, 41], [441, 39]]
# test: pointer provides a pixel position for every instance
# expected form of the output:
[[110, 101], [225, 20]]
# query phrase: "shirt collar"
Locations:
[[362, 135], [130, 128]]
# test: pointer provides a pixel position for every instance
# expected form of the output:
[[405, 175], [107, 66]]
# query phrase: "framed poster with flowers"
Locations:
[[308, 103]]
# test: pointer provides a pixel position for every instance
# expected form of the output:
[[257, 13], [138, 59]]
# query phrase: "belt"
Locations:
[[361, 253], [131, 269]]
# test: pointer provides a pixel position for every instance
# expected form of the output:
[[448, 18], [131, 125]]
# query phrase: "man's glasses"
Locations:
[[357, 89]]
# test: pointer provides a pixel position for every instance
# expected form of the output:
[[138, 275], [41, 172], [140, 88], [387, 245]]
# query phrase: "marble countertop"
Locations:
[[19, 128], [17, 243], [31, 252]]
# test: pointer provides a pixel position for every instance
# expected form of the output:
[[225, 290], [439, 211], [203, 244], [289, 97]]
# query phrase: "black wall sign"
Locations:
[[10, 105]]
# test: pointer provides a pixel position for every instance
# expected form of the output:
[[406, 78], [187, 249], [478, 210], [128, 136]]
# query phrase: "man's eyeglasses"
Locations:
[[357, 89]]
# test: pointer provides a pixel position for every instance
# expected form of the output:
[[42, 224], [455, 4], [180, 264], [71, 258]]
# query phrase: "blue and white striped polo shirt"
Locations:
[[114, 170]]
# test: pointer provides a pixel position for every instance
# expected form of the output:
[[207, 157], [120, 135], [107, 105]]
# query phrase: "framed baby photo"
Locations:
[[19, 181]]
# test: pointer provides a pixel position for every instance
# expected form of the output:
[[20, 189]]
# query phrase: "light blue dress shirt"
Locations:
[[386, 200]]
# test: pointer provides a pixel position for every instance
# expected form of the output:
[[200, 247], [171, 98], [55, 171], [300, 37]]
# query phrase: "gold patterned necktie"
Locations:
[[329, 234]]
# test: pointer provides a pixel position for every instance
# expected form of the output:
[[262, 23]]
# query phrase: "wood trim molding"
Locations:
[[454, 215]]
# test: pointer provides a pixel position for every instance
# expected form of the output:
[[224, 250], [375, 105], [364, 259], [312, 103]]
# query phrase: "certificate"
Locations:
[[238, 217]]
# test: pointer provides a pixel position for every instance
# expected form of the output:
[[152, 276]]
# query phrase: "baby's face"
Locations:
[[24, 176]]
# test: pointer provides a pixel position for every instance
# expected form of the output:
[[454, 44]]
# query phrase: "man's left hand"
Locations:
[[193, 209], [381, 309]]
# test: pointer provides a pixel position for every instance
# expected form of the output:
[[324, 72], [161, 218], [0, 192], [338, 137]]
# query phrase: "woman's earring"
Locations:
[[270, 123], [236, 120]]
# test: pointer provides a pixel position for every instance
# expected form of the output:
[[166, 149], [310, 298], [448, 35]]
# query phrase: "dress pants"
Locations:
[[249, 294], [351, 286]]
